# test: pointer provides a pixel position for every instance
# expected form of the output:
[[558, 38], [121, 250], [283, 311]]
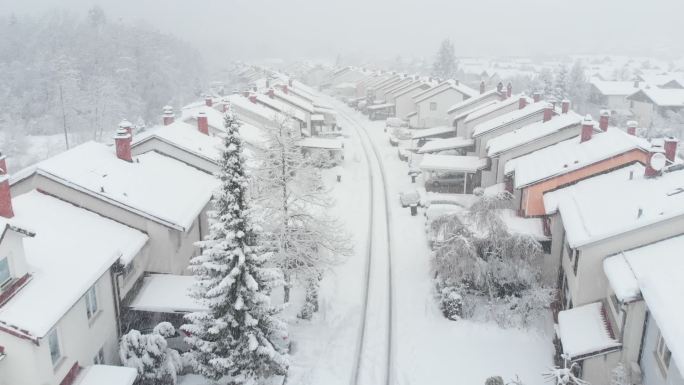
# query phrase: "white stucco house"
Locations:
[[432, 105]]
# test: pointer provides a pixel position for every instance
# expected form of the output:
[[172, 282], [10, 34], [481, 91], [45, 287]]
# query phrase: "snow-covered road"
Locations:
[[347, 343]]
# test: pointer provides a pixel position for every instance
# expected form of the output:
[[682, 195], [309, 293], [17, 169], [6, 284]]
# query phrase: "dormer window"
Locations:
[[4, 271]]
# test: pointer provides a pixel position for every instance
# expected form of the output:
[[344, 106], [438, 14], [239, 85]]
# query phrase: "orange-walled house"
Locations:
[[572, 160]]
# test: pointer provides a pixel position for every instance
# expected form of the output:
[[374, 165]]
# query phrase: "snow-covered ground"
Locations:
[[427, 348]]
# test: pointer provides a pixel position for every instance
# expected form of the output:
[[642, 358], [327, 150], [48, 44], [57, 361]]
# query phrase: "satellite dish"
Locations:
[[658, 161]]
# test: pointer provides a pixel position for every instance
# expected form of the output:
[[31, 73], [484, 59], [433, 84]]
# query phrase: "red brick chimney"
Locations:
[[285, 89], [202, 123], [253, 98], [499, 87], [509, 90], [587, 129], [522, 102], [632, 127], [5, 197], [226, 105], [122, 141], [604, 120], [548, 112], [482, 87], [271, 93], [245, 93], [670, 148], [536, 97], [565, 106], [168, 115], [208, 101]]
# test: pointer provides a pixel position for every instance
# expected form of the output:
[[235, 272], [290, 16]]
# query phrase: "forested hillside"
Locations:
[[67, 78]]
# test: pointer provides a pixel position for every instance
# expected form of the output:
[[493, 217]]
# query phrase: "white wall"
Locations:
[[80, 340], [445, 100], [481, 140], [468, 127], [404, 104], [652, 373]]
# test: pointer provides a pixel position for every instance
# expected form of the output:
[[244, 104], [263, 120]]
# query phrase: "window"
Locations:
[[99, 358], [663, 354], [91, 302], [4, 271], [433, 106], [546, 247], [53, 344]]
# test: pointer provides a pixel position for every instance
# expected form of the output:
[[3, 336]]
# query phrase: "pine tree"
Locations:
[[578, 86], [444, 66], [149, 354], [560, 85], [239, 337]]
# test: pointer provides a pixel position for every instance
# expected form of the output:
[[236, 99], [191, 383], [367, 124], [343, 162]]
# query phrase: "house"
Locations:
[[391, 92], [570, 161], [403, 100], [153, 193], [644, 298], [284, 110], [376, 91], [432, 105], [332, 146], [54, 323], [489, 112], [608, 214], [460, 111], [344, 75], [650, 103], [251, 112], [612, 94], [528, 139], [183, 142], [508, 122]]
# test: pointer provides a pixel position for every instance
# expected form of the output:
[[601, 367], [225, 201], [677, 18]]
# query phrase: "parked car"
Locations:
[[437, 179]]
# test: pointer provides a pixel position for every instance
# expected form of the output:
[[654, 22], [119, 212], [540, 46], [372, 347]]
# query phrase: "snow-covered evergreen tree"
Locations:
[[578, 87], [444, 66], [294, 204], [149, 354], [239, 337], [544, 83], [560, 85]]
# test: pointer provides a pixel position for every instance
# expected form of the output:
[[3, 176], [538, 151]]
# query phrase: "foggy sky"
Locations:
[[254, 29]]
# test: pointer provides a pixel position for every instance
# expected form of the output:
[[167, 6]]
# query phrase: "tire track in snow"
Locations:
[[367, 143]]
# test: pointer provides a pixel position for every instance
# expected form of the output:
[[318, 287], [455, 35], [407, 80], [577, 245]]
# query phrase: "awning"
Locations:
[[323, 143], [469, 164], [377, 107], [106, 375], [166, 293], [434, 131], [445, 144], [585, 332]]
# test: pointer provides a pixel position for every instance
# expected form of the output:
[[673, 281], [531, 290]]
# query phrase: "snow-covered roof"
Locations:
[[244, 103], [153, 185], [67, 239], [445, 144], [485, 110], [584, 332], [656, 269], [471, 101], [166, 293], [106, 375], [663, 97], [516, 224], [186, 137], [610, 204], [215, 118], [614, 87], [464, 113], [531, 132], [282, 107], [324, 143], [621, 278], [412, 87], [447, 85], [433, 131], [294, 100], [452, 163], [509, 118], [571, 154]]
